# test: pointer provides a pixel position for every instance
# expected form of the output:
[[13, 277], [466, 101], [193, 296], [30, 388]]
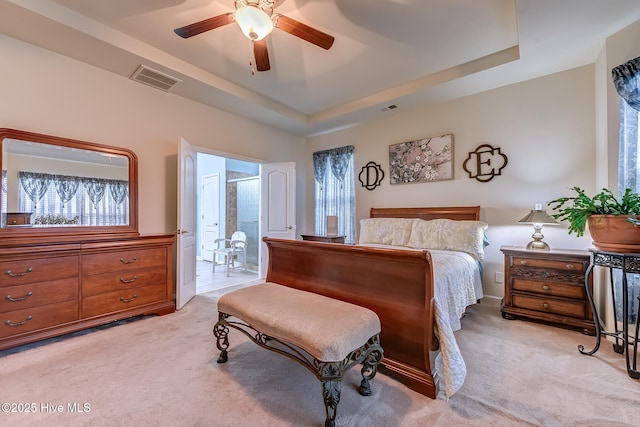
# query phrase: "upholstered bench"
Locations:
[[325, 335]]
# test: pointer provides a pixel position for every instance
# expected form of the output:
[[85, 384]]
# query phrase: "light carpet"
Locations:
[[162, 371]]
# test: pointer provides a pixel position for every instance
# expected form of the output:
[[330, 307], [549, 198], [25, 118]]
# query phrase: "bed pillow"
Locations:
[[451, 235], [386, 231]]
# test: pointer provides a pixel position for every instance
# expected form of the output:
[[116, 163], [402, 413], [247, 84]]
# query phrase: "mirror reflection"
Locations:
[[48, 185]]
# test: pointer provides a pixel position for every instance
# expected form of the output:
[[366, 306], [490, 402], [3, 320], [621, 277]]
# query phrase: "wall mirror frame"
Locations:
[[42, 233]]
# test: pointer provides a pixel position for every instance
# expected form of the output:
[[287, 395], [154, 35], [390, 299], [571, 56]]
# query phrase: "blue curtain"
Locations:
[[626, 79], [335, 190], [81, 200]]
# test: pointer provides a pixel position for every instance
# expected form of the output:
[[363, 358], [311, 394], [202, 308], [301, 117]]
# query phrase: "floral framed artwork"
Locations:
[[422, 160]]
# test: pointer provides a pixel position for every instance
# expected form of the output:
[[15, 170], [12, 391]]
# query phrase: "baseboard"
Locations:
[[491, 300]]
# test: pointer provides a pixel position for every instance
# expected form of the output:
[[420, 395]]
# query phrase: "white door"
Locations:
[[186, 249], [277, 206], [210, 214]]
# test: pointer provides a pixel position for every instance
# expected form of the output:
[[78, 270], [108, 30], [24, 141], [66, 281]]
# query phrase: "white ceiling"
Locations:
[[401, 52]]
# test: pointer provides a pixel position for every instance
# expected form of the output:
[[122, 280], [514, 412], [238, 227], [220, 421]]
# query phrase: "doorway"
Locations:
[[227, 200]]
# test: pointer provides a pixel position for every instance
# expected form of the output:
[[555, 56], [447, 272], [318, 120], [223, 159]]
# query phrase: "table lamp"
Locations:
[[538, 217]]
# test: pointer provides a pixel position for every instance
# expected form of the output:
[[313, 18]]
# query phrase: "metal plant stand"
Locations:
[[627, 263]]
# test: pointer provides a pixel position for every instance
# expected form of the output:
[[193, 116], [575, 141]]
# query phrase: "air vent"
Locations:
[[389, 107], [153, 78]]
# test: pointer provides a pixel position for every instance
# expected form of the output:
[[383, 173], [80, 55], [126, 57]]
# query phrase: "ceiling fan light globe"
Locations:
[[254, 22]]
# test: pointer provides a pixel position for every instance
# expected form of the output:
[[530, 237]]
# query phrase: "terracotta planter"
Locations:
[[614, 233]]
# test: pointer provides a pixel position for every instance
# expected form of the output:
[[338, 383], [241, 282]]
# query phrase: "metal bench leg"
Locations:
[[331, 386], [373, 357], [221, 332]]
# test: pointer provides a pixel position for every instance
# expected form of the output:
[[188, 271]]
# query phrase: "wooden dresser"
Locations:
[[54, 289], [547, 286], [61, 278]]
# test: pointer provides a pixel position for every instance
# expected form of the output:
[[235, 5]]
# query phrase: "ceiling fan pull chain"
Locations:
[[253, 71]]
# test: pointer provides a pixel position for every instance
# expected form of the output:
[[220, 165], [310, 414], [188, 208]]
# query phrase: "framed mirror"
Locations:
[[55, 188]]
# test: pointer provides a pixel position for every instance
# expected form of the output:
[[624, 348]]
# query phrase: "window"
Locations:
[[626, 79], [335, 190], [60, 199]]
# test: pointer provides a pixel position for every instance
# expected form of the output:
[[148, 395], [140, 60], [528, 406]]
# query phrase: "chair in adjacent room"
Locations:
[[231, 250]]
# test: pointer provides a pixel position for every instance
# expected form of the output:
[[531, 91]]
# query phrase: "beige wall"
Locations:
[[545, 127], [48, 93]]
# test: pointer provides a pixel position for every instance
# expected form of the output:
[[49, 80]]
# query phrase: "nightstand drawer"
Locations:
[[568, 265], [550, 288], [550, 305]]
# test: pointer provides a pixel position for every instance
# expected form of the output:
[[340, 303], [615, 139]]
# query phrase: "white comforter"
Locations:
[[457, 285]]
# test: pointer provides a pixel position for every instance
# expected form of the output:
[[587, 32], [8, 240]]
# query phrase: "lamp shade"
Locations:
[[332, 225], [538, 217], [254, 22]]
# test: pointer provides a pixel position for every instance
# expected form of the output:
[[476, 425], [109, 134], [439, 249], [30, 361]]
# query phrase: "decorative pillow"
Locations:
[[386, 231], [451, 235]]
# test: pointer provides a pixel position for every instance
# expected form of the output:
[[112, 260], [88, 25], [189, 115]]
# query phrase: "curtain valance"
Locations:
[[626, 78], [338, 162], [36, 184]]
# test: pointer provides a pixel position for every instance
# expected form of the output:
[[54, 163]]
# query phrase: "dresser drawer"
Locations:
[[118, 280], [550, 305], [557, 264], [30, 319], [122, 300], [35, 294], [550, 288], [130, 260], [20, 272]]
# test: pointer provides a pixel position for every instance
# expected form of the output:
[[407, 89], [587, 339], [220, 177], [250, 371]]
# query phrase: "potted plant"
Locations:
[[611, 220]]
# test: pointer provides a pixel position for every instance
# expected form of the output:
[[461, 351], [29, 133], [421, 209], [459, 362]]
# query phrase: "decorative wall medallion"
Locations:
[[371, 175], [485, 162]]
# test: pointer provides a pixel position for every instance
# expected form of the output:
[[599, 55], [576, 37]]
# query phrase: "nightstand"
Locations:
[[18, 218], [547, 286], [326, 239]]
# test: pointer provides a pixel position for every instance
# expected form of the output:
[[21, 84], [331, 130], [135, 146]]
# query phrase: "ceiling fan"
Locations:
[[256, 20]]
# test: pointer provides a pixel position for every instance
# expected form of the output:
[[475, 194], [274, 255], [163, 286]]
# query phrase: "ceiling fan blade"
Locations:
[[206, 25], [261, 55], [304, 32]]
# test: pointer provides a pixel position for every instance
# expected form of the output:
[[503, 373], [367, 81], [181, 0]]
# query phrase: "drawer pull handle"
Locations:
[[523, 262], [10, 298], [10, 323], [545, 287], [123, 299], [570, 266], [546, 305], [12, 274], [123, 280], [124, 261]]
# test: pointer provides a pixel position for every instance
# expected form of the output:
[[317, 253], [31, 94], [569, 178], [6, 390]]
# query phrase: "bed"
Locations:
[[402, 283]]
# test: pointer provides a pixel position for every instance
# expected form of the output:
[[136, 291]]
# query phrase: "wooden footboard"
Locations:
[[396, 285]]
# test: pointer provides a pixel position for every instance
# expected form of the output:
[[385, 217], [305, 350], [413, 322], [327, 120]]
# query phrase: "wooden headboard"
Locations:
[[470, 213]]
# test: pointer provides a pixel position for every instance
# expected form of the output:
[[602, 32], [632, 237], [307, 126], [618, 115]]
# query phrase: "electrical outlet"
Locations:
[[499, 277]]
